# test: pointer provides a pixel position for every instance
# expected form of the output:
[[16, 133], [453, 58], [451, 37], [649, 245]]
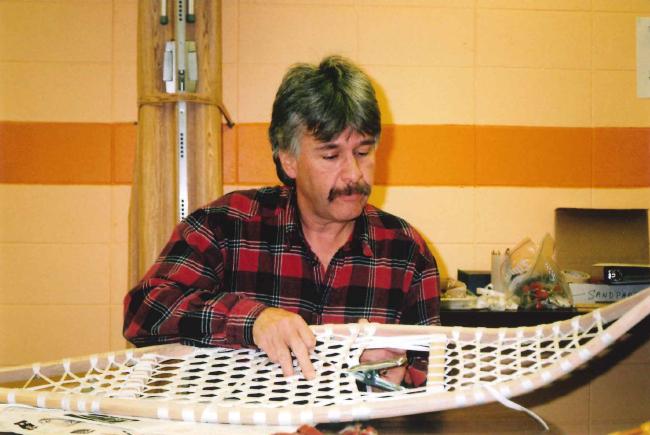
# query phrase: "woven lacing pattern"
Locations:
[[245, 377]]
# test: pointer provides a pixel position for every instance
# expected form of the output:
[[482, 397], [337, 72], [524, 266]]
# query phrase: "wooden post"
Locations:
[[153, 210]]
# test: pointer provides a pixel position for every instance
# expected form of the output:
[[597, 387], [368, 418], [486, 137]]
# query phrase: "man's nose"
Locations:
[[351, 172]]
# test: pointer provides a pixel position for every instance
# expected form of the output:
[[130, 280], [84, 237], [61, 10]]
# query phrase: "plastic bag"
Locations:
[[532, 279]]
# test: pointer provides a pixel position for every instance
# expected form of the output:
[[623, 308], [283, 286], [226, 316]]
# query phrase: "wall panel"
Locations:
[[424, 95], [534, 39], [58, 31], [55, 92], [533, 97], [285, 34], [33, 213], [72, 330], [614, 41], [615, 103], [436, 36]]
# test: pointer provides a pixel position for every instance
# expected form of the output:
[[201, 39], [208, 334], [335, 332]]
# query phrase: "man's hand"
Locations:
[[394, 375], [278, 333]]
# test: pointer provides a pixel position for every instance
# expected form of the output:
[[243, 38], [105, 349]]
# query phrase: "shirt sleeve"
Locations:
[[181, 298]]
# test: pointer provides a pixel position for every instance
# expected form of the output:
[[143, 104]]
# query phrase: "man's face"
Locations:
[[333, 179]]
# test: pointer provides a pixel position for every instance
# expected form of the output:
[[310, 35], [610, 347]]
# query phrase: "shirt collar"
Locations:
[[359, 243]]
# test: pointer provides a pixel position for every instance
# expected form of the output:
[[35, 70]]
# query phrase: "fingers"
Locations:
[[285, 360], [301, 351], [307, 336], [279, 333], [294, 343]]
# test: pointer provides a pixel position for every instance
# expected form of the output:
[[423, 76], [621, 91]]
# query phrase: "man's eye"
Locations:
[[363, 152], [330, 156]]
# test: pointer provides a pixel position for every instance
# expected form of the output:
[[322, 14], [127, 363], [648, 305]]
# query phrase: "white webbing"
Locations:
[[467, 366], [245, 377], [512, 405]]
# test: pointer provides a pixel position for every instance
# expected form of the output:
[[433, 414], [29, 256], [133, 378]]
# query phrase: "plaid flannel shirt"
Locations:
[[231, 259]]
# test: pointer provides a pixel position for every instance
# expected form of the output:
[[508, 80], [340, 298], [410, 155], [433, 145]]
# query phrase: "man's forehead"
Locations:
[[345, 136]]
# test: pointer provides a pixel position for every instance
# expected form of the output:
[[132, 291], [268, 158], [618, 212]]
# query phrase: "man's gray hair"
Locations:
[[323, 101]]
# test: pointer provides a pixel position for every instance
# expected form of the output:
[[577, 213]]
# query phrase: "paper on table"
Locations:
[[20, 419]]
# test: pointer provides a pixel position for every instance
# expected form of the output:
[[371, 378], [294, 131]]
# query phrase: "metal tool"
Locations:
[[370, 373]]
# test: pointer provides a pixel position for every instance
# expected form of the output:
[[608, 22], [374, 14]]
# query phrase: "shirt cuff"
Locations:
[[239, 326], [418, 368]]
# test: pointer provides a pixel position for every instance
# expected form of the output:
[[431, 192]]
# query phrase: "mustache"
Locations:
[[361, 188]]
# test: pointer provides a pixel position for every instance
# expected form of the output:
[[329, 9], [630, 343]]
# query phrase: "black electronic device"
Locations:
[[474, 278], [622, 273]]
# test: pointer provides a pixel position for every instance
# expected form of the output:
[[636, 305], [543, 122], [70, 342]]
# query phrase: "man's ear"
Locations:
[[289, 164]]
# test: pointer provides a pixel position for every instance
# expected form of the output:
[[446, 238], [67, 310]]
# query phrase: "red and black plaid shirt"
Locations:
[[228, 261]]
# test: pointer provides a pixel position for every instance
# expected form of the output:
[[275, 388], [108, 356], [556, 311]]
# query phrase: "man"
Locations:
[[257, 267]]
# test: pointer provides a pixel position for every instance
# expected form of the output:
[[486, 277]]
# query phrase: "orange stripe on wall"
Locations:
[[55, 153], [621, 157], [533, 156], [430, 155], [426, 155], [124, 139], [66, 153]]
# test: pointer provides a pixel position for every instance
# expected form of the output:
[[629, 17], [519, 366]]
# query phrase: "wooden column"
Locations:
[[153, 210]]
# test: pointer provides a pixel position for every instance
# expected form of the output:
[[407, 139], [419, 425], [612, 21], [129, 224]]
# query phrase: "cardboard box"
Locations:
[[584, 237], [598, 293]]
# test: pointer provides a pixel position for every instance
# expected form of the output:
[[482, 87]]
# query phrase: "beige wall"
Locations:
[[543, 63], [63, 246]]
